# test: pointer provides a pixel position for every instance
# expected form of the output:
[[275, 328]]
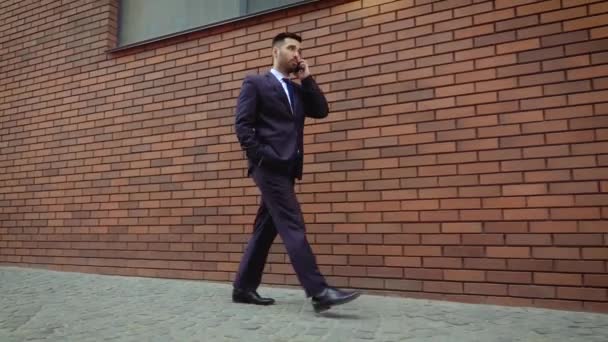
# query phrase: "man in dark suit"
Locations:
[[269, 124]]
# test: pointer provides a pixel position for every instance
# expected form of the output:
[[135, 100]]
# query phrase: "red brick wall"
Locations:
[[465, 157]]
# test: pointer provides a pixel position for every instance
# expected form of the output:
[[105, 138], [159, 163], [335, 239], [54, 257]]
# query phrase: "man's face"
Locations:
[[288, 54]]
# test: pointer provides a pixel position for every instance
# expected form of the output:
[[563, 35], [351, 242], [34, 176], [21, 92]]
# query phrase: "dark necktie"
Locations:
[[290, 91]]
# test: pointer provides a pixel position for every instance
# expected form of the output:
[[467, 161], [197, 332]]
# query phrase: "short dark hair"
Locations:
[[282, 36]]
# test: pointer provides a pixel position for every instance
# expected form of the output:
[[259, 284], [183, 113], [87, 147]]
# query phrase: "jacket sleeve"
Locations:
[[315, 104], [246, 111]]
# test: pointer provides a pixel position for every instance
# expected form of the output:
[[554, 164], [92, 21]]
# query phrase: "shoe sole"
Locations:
[[251, 303], [324, 307]]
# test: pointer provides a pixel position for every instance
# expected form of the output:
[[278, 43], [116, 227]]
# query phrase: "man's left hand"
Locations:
[[305, 72]]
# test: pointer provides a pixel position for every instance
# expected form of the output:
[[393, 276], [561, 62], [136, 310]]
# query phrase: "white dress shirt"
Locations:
[[280, 77]]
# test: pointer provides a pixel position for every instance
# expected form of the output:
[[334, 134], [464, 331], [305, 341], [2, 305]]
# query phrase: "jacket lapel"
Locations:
[[277, 87]]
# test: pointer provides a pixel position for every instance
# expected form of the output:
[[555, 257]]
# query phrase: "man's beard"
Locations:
[[288, 65]]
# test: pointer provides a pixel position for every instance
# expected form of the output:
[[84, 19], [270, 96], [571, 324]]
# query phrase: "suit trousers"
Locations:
[[280, 213]]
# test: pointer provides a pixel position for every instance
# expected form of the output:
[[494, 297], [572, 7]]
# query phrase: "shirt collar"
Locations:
[[278, 74]]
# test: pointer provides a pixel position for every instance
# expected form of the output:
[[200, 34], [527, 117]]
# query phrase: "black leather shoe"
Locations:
[[330, 297], [250, 297]]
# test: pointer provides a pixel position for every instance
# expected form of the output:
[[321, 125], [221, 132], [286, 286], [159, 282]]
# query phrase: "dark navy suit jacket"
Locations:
[[269, 133]]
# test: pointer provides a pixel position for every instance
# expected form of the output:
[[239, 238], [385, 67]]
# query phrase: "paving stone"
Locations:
[[40, 305]]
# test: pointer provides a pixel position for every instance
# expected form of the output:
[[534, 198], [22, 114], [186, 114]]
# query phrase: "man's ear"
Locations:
[[275, 52]]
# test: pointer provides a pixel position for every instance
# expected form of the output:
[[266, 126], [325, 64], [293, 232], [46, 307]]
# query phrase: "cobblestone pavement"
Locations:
[[40, 305]]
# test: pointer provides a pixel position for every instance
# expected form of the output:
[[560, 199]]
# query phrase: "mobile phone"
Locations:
[[299, 68]]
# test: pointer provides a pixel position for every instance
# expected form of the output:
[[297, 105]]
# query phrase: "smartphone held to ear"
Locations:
[[298, 68]]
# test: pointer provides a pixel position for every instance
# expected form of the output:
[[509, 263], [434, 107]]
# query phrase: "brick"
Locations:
[[414, 74], [598, 8], [463, 251], [435, 81], [504, 202], [600, 32], [526, 214], [441, 262], [573, 188], [530, 265], [414, 11], [508, 252], [436, 104], [495, 38], [434, 17], [528, 239], [456, 135], [520, 93], [566, 87], [569, 112], [582, 293], [543, 6], [593, 226], [501, 178], [519, 69], [527, 189], [474, 31], [441, 239], [517, 23], [478, 98], [501, 107], [540, 54], [455, 68], [463, 275], [493, 16], [550, 201], [472, 9], [520, 45], [528, 164], [539, 30], [595, 253], [575, 213], [589, 72], [435, 60], [563, 14], [587, 22], [578, 266], [509, 277], [393, 5], [597, 280], [533, 291], [475, 168], [557, 279], [442, 287], [455, 90], [452, 24], [422, 251], [481, 214], [564, 38], [589, 97], [546, 151], [586, 47], [483, 239], [502, 154], [434, 39], [461, 227], [542, 78], [566, 63], [588, 148], [577, 239], [497, 84], [440, 215], [556, 253], [499, 4], [486, 289]]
